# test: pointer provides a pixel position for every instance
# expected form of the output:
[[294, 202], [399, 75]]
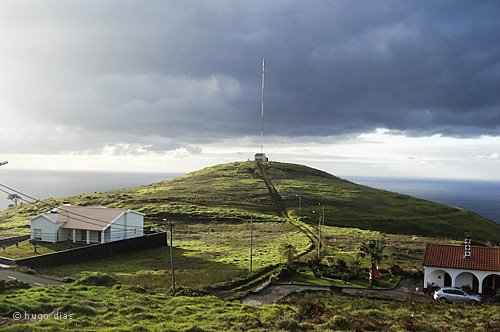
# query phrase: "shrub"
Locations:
[[12, 284], [340, 323], [310, 308], [186, 291], [467, 289], [68, 280], [396, 270], [97, 279]]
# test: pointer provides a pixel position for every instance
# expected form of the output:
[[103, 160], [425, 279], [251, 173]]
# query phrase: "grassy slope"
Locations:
[[119, 308], [235, 191], [351, 205], [204, 254]]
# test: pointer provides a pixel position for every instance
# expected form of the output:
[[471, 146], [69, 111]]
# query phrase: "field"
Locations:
[[350, 205], [122, 308], [204, 254], [407, 251], [236, 192], [27, 249], [211, 210]]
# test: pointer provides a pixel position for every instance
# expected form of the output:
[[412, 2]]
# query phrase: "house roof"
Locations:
[[482, 258], [94, 218]]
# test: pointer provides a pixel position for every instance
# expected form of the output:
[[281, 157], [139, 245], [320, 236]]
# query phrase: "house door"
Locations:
[[447, 280], [83, 235]]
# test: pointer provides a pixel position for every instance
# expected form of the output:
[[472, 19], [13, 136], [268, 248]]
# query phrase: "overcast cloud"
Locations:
[[166, 75]]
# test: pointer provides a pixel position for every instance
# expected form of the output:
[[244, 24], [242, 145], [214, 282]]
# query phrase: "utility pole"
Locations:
[[262, 106], [321, 216], [171, 256], [251, 244]]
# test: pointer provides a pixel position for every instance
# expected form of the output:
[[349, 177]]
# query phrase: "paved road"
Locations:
[[6, 274]]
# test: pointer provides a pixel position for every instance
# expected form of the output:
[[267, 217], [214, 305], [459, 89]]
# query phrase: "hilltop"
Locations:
[[236, 191]]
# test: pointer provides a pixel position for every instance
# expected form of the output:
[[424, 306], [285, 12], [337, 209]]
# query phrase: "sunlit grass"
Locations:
[[204, 254]]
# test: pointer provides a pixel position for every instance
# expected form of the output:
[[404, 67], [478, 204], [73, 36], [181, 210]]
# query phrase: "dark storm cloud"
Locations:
[[188, 71]]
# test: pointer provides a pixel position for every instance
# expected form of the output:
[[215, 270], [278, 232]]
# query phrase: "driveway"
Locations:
[[407, 289], [274, 293], [7, 274]]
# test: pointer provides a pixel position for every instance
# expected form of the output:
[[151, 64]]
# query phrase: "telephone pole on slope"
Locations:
[[251, 245], [172, 269]]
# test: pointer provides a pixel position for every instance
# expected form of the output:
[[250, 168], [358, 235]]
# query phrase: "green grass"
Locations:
[[350, 205], [27, 249], [407, 251], [204, 254], [120, 308], [236, 192]]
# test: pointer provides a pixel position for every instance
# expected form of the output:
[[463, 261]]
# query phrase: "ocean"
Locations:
[[479, 196], [46, 184], [482, 197]]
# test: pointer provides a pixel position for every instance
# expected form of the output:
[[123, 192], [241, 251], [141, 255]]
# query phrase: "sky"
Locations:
[[365, 88]]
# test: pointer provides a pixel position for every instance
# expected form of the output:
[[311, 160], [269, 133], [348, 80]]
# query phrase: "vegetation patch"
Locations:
[[204, 254]]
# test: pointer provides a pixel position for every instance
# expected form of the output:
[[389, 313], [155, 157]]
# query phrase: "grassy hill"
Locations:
[[352, 205], [237, 191]]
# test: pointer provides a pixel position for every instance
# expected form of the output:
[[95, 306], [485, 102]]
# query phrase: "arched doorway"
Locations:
[[491, 283], [467, 279], [439, 278]]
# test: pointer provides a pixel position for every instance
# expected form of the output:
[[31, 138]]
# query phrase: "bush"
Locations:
[[310, 308], [186, 291], [12, 284], [396, 270], [467, 289], [286, 271], [98, 279], [68, 280]]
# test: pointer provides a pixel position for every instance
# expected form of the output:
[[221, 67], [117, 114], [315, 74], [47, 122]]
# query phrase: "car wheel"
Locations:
[[474, 302], [443, 300]]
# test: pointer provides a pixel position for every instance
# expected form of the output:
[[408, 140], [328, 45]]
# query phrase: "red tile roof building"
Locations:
[[482, 258], [459, 266]]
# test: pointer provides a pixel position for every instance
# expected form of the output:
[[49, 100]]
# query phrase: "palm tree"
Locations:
[[289, 252], [374, 250]]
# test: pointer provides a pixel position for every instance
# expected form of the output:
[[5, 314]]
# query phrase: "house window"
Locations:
[[83, 235], [37, 234]]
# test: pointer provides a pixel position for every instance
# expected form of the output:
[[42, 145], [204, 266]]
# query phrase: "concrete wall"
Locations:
[[12, 240], [95, 251]]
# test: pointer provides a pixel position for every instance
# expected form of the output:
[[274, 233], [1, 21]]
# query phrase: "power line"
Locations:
[[116, 227]]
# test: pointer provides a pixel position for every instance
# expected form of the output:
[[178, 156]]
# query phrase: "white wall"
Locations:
[[128, 225], [458, 277], [49, 229], [464, 279]]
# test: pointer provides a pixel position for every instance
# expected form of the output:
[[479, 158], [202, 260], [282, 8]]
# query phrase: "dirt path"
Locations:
[[407, 289], [274, 293]]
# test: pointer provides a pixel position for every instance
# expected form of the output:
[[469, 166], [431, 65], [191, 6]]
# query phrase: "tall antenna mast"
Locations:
[[262, 105]]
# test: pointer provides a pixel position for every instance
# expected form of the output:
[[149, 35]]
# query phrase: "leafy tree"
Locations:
[[374, 251], [288, 252], [14, 197]]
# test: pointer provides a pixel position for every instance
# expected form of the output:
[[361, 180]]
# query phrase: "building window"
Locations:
[[37, 234]]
